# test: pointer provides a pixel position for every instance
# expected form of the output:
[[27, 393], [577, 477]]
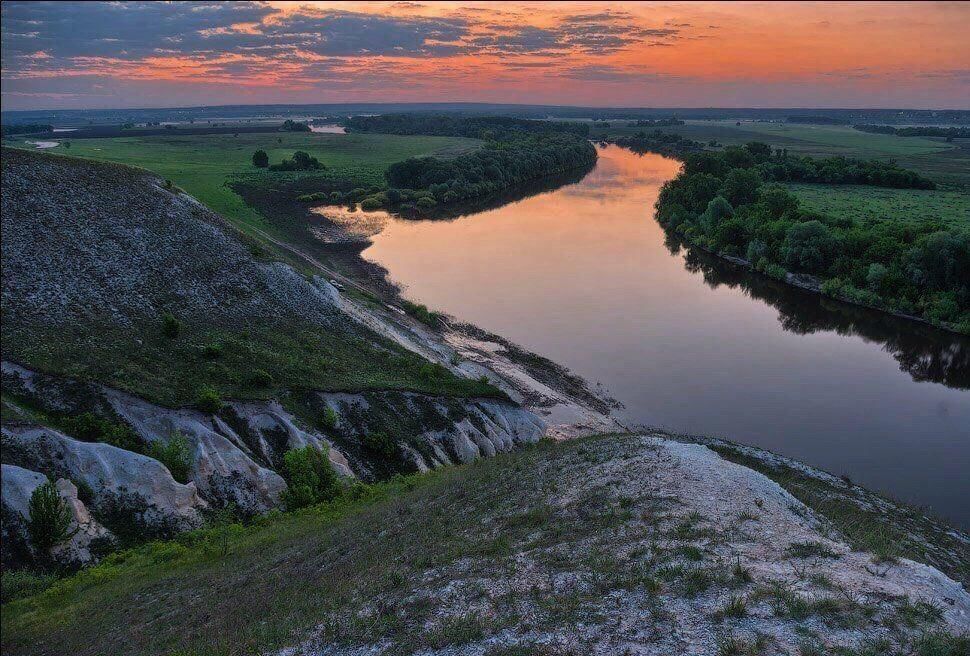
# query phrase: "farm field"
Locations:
[[864, 203]]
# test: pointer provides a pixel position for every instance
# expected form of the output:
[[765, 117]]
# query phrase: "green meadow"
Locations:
[[877, 203], [205, 165]]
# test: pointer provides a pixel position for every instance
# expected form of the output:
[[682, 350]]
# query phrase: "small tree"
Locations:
[[50, 518], [171, 327], [260, 159], [208, 400], [310, 478], [176, 455]]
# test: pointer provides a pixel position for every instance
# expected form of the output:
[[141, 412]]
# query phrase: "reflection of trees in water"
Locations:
[[493, 201], [924, 352]]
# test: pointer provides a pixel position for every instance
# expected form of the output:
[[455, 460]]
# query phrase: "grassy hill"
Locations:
[[596, 545], [110, 276], [206, 165]]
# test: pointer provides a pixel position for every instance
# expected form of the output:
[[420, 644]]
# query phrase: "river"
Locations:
[[584, 276]]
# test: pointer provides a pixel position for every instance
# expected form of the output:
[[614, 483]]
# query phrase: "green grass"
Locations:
[[172, 371], [875, 203], [204, 165], [263, 585], [367, 568]]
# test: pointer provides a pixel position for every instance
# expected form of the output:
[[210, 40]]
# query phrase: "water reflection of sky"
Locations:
[[583, 275]]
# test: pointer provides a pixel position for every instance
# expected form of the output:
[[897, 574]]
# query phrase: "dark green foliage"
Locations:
[[261, 378], [741, 186], [918, 131], [175, 454], [301, 161], [808, 246], [381, 443], [50, 518], [260, 159], [916, 268], [290, 125], [21, 583], [328, 419], [310, 477], [455, 125], [421, 312], [26, 128], [658, 142], [171, 327], [208, 400], [516, 151], [89, 427]]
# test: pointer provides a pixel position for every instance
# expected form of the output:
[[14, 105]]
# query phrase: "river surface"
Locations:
[[584, 276]]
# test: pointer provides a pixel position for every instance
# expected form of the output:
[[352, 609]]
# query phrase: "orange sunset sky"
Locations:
[[139, 54]]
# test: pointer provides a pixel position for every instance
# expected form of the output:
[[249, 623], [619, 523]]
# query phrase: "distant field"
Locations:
[[911, 205], [203, 164], [948, 164]]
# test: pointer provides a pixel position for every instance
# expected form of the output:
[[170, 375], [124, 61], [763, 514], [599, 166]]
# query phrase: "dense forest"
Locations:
[[728, 202], [516, 151], [917, 131]]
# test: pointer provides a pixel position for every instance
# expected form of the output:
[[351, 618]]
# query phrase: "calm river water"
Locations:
[[583, 276]]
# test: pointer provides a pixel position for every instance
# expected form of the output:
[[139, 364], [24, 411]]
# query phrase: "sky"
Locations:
[[59, 55]]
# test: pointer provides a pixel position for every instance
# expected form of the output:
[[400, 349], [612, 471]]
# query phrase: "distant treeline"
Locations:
[[455, 125], [659, 123], [818, 120], [516, 151], [726, 202], [672, 145], [26, 128], [918, 131]]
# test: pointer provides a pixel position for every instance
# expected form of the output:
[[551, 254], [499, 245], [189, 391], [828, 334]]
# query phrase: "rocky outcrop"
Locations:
[[126, 490], [87, 536], [225, 474], [430, 431], [268, 431]]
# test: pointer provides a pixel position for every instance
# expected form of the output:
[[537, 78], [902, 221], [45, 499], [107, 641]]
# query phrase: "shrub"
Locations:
[[301, 161], [371, 204], [21, 583], [381, 443], [171, 327], [261, 378], [50, 518], [176, 455], [327, 419], [212, 351], [310, 478], [89, 427], [208, 400]]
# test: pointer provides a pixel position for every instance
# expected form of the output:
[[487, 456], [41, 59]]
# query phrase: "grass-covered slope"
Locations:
[[591, 546], [206, 165], [110, 276]]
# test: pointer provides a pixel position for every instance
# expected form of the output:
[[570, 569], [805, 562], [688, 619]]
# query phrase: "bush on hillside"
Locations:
[[49, 521]]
